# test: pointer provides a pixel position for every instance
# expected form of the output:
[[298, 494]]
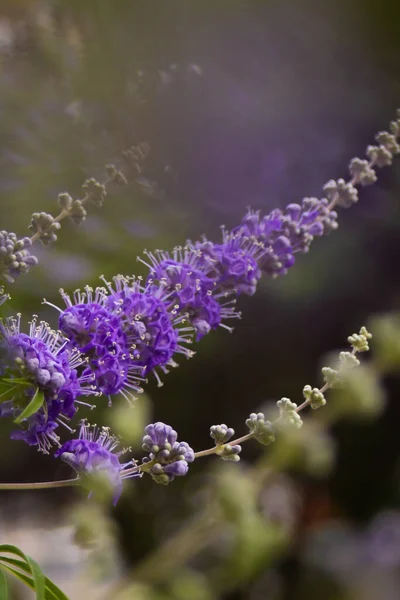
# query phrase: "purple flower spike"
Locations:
[[153, 326], [167, 457], [285, 233], [97, 332], [188, 277], [41, 363], [94, 453]]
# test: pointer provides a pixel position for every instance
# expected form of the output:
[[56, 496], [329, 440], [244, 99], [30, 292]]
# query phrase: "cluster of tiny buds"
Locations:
[[15, 257], [288, 414], [263, 430], [221, 434], [345, 194], [44, 226], [314, 397], [135, 155], [347, 360], [167, 457], [359, 341]]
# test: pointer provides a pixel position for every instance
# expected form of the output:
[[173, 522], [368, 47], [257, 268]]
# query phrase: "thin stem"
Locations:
[[213, 450], [65, 213], [40, 485], [248, 436]]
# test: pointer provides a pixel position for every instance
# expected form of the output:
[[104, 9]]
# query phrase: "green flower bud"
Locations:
[[288, 414], [314, 396], [261, 429], [228, 452], [116, 176], [95, 191], [221, 433], [331, 377], [44, 226], [359, 341], [77, 212], [348, 360], [65, 201]]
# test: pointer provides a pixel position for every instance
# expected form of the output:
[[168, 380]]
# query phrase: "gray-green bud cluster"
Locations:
[[314, 397], [288, 414], [135, 155], [347, 360], [362, 172], [342, 193], [388, 141], [379, 155], [115, 175], [15, 258], [261, 429], [228, 452], [359, 341], [221, 433], [95, 191], [44, 227], [72, 208], [65, 201], [331, 377]]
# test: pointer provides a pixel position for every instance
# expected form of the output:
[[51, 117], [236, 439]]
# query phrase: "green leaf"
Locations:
[[52, 592], [38, 578], [8, 393], [25, 578], [3, 586], [31, 567], [13, 380], [32, 408]]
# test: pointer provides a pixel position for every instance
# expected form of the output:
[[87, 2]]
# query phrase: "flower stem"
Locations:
[[39, 485], [248, 436], [213, 450]]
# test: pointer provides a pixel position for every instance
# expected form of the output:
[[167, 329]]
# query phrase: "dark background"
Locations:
[[241, 103]]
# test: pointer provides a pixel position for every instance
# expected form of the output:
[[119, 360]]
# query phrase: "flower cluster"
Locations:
[[126, 330], [113, 337], [15, 256], [167, 457], [92, 453], [42, 381], [188, 277]]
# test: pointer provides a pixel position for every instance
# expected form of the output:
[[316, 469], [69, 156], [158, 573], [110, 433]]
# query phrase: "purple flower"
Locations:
[[154, 329], [94, 453], [285, 233], [188, 277], [97, 332], [41, 362], [167, 457], [126, 330]]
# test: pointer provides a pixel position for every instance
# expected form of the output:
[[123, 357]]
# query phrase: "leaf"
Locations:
[[31, 566], [38, 577], [3, 586], [9, 393], [52, 592], [34, 405], [18, 380], [25, 578]]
